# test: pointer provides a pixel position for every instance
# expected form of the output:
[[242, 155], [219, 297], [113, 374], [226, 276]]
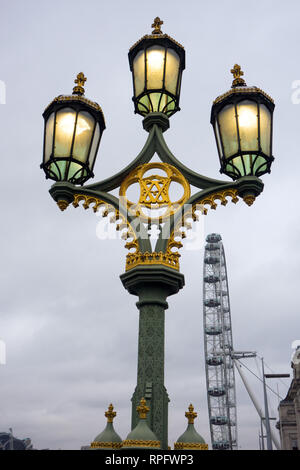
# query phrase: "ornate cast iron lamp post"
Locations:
[[242, 122]]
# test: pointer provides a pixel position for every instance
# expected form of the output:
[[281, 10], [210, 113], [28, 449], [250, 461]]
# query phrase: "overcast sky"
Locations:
[[70, 327]]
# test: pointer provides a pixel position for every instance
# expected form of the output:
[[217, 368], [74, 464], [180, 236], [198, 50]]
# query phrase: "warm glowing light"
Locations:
[[66, 124], [155, 60], [247, 117]]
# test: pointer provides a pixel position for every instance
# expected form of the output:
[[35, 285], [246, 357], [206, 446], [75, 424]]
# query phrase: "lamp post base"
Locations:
[[152, 284]]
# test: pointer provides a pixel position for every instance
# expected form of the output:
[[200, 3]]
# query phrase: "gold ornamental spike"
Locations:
[[110, 414], [237, 74], [191, 414], [80, 81], [156, 25], [142, 409]]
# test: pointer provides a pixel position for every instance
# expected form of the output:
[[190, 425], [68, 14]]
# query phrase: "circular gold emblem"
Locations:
[[153, 191]]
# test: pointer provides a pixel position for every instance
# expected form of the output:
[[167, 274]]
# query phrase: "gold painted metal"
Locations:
[[191, 414], [135, 443], [178, 231], [110, 414], [80, 81], [244, 89], [190, 446], [156, 25], [142, 409], [237, 75], [62, 204], [128, 232], [249, 199], [83, 99], [154, 191], [106, 445]]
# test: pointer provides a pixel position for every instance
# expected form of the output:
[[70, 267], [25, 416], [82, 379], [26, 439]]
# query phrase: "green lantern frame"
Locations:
[[158, 99], [249, 161], [68, 167]]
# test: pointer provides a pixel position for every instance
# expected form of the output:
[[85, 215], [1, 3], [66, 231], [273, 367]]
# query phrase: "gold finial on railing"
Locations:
[[237, 74], [80, 81], [156, 25], [142, 409], [191, 414], [110, 414]]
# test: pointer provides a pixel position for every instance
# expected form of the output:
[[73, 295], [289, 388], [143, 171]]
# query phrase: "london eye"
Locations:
[[219, 363]]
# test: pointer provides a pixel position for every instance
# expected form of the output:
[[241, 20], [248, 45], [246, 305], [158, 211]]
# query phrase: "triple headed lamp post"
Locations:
[[242, 123]]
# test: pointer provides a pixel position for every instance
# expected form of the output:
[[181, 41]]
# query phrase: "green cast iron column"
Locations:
[[152, 284]]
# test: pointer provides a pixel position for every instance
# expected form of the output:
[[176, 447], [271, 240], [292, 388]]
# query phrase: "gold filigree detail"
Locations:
[[143, 409], [169, 259], [136, 443], [80, 81], [156, 25], [191, 414], [106, 445], [83, 99], [190, 213], [242, 89], [154, 191], [156, 36], [124, 225], [249, 199], [110, 414], [62, 204], [237, 75], [190, 446]]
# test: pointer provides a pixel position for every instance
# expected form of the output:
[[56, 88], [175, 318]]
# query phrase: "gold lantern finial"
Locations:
[[110, 414], [237, 74], [156, 25], [191, 414], [80, 81], [142, 409]]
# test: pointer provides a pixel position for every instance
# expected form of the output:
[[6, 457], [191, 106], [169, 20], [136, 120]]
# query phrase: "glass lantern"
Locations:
[[242, 120], [156, 62], [73, 129]]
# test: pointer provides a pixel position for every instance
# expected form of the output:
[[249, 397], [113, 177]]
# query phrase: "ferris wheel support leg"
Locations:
[[255, 403]]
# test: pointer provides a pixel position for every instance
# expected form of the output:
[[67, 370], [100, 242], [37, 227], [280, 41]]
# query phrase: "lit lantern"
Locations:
[[73, 129], [156, 62], [242, 120]]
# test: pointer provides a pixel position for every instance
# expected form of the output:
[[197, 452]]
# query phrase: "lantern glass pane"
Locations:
[[248, 124], [139, 73], [76, 171], [94, 146], [172, 71], [49, 136], [265, 129], [64, 130], [237, 167], [155, 60], [83, 136], [228, 130], [218, 139], [259, 165]]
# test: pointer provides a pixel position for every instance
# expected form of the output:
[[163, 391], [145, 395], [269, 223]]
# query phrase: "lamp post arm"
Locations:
[[206, 196], [115, 181], [247, 187], [69, 193], [195, 179]]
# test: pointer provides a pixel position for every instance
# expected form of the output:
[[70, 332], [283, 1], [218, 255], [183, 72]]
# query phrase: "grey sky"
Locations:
[[69, 326]]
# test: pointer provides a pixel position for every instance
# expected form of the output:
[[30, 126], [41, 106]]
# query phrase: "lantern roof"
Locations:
[[190, 438], [157, 34], [78, 97], [109, 435], [239, 86]]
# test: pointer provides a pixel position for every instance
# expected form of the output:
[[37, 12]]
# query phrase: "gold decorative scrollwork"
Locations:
[[190, 213], [190, 446], [124, 225], [136, 443], [154, 191]]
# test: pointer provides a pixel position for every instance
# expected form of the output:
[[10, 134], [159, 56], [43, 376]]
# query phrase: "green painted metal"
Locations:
[[152, 285]]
